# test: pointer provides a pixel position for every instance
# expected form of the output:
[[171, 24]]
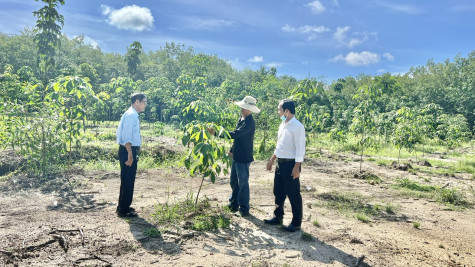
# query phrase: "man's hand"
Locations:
[[130, 160], [271, 161], [211, 131], [296, 170], [230, 154], [269, 165]]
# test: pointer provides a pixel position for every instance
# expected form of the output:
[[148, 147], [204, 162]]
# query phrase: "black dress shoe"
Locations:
[[117, 209], [127, 214], [292, 228], [273, 221]]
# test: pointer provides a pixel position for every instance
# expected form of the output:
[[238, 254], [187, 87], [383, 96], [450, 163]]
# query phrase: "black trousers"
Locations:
[[127, 178], [286, 186]]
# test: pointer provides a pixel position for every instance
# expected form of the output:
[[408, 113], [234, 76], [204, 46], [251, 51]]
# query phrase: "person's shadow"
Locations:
[[151, 238], [313, 250]]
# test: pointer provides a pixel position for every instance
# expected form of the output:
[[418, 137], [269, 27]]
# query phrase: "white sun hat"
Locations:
[[248, 103]]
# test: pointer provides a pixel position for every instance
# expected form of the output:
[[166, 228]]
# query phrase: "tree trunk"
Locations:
[[197, 195], [399, 155]]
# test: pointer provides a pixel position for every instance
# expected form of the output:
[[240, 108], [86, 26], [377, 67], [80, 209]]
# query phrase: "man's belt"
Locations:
[[285, 160]]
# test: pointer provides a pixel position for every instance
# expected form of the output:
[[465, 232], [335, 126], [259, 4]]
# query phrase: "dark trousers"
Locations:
[[127, 178], [286, 186]]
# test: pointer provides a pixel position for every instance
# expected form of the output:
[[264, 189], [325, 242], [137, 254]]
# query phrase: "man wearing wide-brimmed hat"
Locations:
[[242, 154]]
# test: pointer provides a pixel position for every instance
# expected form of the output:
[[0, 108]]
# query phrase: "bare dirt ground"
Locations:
[[35, 218]]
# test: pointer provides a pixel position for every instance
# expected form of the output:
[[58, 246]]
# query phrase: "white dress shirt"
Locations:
[[129, 128], [291, 141]]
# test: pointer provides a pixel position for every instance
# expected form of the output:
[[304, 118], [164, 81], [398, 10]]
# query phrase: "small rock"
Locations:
[[309, 188]]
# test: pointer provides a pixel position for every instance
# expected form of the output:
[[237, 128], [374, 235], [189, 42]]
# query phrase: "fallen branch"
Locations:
[[9, 253], [31, 248], [93, 257], [185, 235], [63, 231], [63, 242]]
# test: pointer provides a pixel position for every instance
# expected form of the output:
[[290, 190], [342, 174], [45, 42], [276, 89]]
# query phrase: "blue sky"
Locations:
[[324, 38]]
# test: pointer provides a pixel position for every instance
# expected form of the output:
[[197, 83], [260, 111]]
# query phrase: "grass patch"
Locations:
[[390, 209], [100, 165], [384, 162], [362, 218], [415, 186], [152, 232], [353, 203], [202, 217], [451, 196], [416, 225], [306, 236], [467, 166], [349, 147], [316, 223], [209, 222], [371, 178]]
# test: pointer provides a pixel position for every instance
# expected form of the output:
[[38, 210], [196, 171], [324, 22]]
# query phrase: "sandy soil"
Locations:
[[33, 211]]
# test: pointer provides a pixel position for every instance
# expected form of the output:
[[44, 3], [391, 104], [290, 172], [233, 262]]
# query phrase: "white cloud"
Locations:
[[132, 17], [309, 30], [340, 36], [208, 24], [358, 59], [91, 42], [316, 7], [255, 59], [106, 10], [275, 65], [407, 9], [388, 56], [305, 29]]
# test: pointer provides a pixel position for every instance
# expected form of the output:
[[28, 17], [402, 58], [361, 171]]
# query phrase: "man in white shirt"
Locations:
[[289, 152], [129, 140]]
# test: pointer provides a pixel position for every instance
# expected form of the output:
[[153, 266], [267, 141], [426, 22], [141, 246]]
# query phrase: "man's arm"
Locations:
[[244, 129], [271, 161], [299, 141], [130, 155]]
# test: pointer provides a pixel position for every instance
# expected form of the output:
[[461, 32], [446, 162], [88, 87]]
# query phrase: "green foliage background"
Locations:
[[51, 86]]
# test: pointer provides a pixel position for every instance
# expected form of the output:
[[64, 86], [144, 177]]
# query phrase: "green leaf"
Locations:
[[185, 139], [213, 177]]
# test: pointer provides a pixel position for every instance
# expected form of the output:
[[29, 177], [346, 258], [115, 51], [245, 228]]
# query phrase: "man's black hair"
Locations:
[[137, 96], [288, 104]]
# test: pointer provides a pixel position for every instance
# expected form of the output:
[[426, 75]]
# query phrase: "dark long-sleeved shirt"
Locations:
[[243, 136]]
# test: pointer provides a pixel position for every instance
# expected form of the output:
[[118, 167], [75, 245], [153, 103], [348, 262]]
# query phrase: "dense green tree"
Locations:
[[132, 57], [86, 70], [48, 35]]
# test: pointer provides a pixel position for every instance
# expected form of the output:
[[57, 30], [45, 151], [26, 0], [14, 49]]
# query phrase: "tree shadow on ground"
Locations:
[[76, 202], [291, 243], [151, 238]]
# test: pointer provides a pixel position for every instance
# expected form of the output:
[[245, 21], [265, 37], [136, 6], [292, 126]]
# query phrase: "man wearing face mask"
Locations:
[[242, 154], [289, 152]]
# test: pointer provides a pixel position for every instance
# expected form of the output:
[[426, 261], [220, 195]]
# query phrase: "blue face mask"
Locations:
[[283, 117]]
